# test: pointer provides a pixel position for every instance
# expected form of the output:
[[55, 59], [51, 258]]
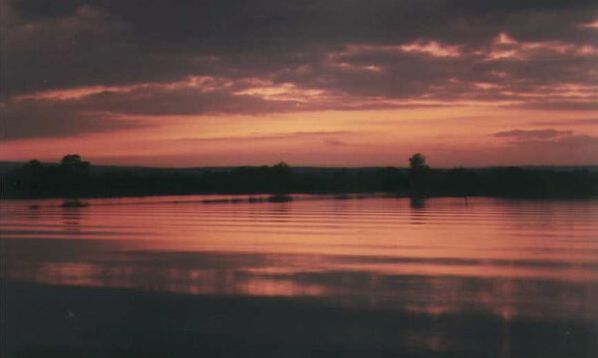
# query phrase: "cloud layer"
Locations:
[[81, 67]]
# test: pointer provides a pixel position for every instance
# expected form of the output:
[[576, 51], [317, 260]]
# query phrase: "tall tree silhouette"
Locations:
[[418, 175], [417, 162]]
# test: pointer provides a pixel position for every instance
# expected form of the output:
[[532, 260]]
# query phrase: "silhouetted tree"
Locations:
[[417, 162], [73, 161], [282, 168], [34, 163], [418, 175], [31, 177]]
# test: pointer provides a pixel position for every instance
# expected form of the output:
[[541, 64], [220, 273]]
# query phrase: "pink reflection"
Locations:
[[512, 258]]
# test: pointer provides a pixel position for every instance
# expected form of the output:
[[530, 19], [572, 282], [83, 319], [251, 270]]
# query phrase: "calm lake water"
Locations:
[[499, 260]]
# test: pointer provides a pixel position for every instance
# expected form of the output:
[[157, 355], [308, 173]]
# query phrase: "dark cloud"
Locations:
[[348, 50], [335, 142], [561, 105], [90, 42], [532, 134], [573, 149], [550, 146], [307, 20], [41, 120], [328, 137], [107, 111], [42, 9], [569, 122], [181, 102]]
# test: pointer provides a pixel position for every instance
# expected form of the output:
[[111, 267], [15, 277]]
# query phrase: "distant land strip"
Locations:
[[75, 178]]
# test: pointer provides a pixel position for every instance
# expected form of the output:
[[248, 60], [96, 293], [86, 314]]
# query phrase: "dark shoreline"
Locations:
[[80, 180], [415, 202], [83, 202], [60, 321]]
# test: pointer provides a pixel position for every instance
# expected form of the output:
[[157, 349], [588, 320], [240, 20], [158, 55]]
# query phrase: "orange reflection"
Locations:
[[510, 257]]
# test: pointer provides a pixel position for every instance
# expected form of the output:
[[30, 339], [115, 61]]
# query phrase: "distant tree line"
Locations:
[[75, 178]]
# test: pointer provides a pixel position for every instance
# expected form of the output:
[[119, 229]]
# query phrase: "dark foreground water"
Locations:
[[197, 276]]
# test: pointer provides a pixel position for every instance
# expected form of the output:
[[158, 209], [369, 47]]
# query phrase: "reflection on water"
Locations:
[[510, 258]]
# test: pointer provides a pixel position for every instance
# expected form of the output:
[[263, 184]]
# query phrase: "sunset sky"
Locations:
[[314, 82]]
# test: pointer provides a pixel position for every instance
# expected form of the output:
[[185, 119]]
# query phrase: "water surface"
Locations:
[[508, 260]]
